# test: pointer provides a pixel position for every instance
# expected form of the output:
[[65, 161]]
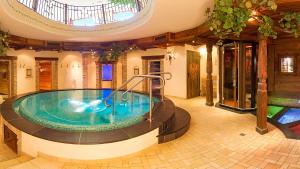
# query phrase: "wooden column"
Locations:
[[114, 73], [262, 95], [98, 75], [209, 81], [37, 75]]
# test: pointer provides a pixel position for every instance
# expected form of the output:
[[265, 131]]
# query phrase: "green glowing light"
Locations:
[[273, 110]]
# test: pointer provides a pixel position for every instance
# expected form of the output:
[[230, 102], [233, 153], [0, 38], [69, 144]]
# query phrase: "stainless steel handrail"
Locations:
[[152, 73], [128, 81], [162, 73], [150, 90], [131, 88]]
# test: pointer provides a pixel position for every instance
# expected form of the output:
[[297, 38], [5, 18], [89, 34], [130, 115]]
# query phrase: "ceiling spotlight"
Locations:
[[193, 41]]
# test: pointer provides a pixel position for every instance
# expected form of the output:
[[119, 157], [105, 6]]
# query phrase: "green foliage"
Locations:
[[230, 17], [290, 22], [112, 55], [124, 2], [266, 27], [4, 45]]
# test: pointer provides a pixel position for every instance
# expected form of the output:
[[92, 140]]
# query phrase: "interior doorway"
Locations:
[[4, 78], [193, 74], [153, 64], [45, 74]]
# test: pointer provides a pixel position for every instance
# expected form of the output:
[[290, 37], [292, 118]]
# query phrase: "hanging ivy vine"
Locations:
[[4, 45], [290, 22], [230, 17], [115, 51]]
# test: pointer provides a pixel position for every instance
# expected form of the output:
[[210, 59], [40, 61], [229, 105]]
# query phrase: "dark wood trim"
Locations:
[[241, 76], [8, 58], [221, 51], [154, 57], [45, 59]]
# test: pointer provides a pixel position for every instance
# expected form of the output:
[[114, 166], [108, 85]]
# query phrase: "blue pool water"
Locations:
[[290, 116], [82, 110]]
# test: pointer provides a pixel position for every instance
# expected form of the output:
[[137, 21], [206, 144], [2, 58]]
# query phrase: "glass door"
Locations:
[[230, 74], [238, 75]]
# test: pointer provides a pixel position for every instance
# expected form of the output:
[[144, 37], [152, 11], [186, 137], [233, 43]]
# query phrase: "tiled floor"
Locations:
[[217, 139]]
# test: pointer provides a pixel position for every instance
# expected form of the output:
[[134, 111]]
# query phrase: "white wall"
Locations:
[[69, 69], [92, 74], [177, 85]]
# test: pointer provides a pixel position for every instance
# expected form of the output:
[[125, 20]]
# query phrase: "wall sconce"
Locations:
[[136, 70], [170, 56]]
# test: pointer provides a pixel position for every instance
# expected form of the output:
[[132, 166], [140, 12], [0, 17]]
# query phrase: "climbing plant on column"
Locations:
[[230, 17]]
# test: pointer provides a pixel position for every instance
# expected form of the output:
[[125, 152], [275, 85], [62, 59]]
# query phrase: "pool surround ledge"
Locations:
[[163, 114]]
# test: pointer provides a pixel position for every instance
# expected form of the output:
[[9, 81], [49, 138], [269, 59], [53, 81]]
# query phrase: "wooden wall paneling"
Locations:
[[284, 82], [271, 68]]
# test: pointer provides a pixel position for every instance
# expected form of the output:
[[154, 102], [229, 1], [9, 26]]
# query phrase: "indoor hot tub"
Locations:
[[77, 124]]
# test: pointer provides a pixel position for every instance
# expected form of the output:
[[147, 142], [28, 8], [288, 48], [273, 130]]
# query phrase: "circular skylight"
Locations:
[[84, 2]]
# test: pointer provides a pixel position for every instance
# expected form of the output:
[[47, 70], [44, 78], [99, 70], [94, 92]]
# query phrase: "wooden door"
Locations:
[[193, 74], [45, 75], [4, 78]]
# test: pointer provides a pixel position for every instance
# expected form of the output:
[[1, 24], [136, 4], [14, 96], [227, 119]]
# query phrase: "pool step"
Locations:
[[180, 126], [16, 161]]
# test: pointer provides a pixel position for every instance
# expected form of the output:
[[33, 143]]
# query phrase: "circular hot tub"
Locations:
[[76, 124], [83, 110]]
